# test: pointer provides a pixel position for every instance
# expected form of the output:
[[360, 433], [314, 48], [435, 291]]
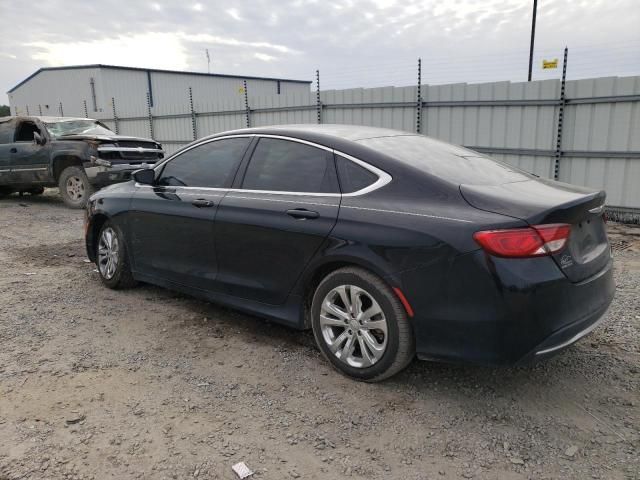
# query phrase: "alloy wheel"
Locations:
[[108, 253], [75, 188], [353, 326]]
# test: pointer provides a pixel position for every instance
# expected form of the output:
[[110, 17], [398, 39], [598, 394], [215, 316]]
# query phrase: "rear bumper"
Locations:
[[492, 311], [565, 337]]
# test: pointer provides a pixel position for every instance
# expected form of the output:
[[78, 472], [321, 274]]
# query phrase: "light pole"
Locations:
[[533, 36]]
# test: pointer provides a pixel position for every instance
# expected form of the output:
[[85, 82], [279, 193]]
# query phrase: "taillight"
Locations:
[[535, 241]]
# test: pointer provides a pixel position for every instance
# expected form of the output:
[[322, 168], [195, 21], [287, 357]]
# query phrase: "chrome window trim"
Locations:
[[204, 141], [299, 202], [383, 177]]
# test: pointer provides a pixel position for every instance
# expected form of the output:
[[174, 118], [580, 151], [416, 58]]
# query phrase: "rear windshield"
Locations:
[[448, 162]]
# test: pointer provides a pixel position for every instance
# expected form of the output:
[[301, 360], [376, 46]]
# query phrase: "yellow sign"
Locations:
[[241, 90], [550, 63]]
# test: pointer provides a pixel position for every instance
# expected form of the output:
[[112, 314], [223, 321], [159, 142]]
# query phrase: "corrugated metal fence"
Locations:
[[595, 142]]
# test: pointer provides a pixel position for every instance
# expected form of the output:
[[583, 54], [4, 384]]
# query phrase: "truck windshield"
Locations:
[[77, 127]]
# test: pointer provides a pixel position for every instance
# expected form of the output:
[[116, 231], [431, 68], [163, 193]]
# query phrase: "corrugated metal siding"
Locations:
[[604, 127], [129, 89], [609, 126], [50, 88]]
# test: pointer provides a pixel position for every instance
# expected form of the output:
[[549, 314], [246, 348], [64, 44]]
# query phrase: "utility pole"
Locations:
[[533, 36], [208, 60]]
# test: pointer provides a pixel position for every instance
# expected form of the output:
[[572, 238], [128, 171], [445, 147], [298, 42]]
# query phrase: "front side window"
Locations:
[[210, 165], [286, 166], [25, 132]]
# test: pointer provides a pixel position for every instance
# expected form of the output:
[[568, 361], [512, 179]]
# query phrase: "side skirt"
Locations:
[[289, 314]]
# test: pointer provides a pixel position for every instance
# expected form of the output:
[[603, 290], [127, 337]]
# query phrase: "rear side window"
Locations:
[[6, 132], [448, 162], [353, 177], [285, 166], [211, 165]]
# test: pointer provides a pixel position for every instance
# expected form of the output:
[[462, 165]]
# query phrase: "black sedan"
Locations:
[[387, 244]]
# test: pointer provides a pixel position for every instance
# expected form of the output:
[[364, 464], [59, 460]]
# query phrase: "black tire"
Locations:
[[5, 192], [400, 343], [121, 276], [74, 186]]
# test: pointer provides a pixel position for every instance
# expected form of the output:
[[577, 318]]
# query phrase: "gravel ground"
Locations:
[[147, 383]]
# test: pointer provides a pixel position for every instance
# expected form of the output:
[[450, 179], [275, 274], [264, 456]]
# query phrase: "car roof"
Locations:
[[346, 132]]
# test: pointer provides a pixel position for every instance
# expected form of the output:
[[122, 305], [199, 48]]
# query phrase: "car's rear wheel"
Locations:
[[74, 186], [5, 192], [111, 258], [361, 326]]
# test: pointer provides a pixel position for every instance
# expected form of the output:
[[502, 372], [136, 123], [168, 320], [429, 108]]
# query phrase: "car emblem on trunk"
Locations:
[[566, 261]]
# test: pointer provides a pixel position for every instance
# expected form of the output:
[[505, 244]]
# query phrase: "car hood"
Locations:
[[105, 138]]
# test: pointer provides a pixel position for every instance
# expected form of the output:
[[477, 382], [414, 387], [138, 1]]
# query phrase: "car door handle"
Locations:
[[303, 214], [202, 203], [14, 150]]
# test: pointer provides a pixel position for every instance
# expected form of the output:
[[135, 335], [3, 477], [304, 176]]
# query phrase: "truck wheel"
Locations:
[[74, 186]]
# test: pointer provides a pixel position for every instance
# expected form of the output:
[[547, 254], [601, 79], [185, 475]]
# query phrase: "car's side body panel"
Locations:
[[170, 238], [415, 232], [263, 247]]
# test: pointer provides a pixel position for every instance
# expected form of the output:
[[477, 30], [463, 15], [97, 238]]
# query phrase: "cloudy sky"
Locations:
[[353, 42]]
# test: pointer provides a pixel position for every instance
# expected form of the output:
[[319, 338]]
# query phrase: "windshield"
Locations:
[[449, 162], [77, 127]]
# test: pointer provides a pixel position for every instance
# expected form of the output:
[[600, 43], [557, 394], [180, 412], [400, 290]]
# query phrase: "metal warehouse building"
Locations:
[[87, 90]]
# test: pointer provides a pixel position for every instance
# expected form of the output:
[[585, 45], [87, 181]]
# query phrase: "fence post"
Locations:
[[419, 99], [318, 103], [40, 109], [193, 115], [563, 102], [86, 112], [60, 109], [115, 116], [246, 104], [27, 110], [150, 116]]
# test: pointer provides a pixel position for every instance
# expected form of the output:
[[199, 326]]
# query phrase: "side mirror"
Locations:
[[38, 139], [145, 176]]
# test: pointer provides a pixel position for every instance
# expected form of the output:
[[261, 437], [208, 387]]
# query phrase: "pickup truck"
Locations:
[[77, 155]]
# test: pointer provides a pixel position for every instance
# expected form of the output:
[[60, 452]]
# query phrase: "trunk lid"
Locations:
[[540, 201]]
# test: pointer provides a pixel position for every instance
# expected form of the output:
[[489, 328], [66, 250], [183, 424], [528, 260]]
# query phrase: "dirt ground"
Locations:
[[150, 384]]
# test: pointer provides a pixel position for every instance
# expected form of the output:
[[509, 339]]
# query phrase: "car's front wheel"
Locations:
[[74, 186], [361, 326], [111, 258]]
